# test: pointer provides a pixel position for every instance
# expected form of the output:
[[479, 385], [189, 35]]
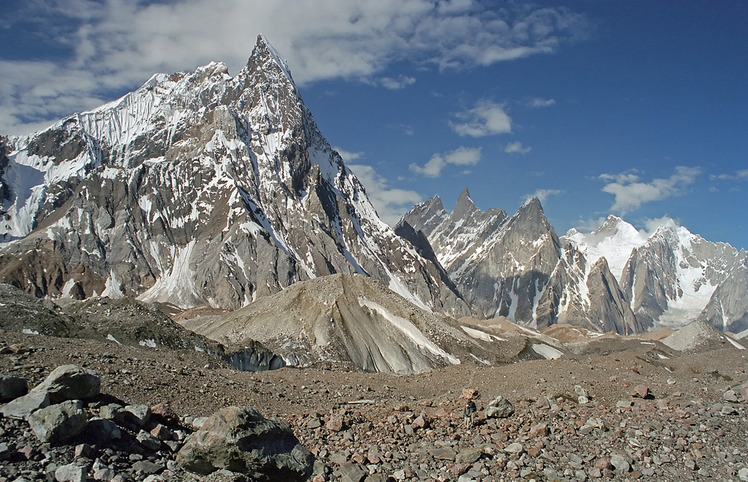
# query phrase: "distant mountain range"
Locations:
[[613, 279], [200, 188]]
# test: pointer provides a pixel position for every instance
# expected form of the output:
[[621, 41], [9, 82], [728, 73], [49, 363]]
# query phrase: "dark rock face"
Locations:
[[198, 188], [241, 440]]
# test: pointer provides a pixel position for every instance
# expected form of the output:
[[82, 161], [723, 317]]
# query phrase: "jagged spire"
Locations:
[[264, 53]]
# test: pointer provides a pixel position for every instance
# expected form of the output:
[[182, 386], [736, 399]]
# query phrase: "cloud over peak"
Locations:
[[631, 193], [462, 156], [113, 45]]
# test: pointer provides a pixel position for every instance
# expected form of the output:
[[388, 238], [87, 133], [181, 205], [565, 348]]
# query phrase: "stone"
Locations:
[[146, 467], [70, 382], [730, 396], [641, 391], [241, 440], [134, 415], [469, 455], [5, 451], [620, 463], [334, 424], [743, 474], [21, 407], [101, 431], [12, 387], [102, 471], [71, 473], [514, 448], [148, 441], [165, 414], [469, 393], [582, 394], [161, 432], [350, 472], [58, 422], [499, 407], [419, 422], [442, 453], [538, 430]]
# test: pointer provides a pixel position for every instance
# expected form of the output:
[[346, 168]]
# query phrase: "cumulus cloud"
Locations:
[[630, 192], [112, 46], [485, 119], [462, 156], [542, 194], [517, 148], [390, 203]]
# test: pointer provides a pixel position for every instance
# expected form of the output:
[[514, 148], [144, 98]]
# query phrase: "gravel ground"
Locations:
[[365, 426]]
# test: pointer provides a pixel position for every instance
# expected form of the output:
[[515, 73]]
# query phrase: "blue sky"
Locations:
[[636, 108]]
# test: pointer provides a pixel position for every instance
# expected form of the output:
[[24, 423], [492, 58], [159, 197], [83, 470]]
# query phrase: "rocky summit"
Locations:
[[196, 189]]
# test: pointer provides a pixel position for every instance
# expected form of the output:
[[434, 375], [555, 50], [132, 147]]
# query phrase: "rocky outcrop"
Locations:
[[97, 432]]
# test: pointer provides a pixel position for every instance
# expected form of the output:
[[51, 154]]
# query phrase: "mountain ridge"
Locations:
[[198, 188]]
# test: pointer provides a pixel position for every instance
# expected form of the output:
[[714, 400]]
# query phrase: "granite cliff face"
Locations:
[[197, 188]]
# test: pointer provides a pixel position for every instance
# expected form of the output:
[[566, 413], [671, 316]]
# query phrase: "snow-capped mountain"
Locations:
[[196, 188], [672, 277], [517, 267]]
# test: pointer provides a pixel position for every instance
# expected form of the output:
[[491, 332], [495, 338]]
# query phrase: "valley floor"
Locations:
[[362, 426]]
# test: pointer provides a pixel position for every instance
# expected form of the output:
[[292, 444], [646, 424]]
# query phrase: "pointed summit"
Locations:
[[266, 60], [465, 205]]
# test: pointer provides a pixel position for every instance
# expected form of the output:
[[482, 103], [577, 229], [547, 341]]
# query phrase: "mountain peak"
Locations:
[[264, 55], [464, 205], [531, 206]]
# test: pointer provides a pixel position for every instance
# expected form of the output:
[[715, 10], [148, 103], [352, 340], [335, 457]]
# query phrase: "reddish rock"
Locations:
[[420, 422], [641, 391], [334, 424], [469, 393], [539, 430]]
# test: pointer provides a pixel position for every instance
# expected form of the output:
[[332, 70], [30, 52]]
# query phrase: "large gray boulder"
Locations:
[[22, 407], [70, 382], [58, 422], [241, 440]]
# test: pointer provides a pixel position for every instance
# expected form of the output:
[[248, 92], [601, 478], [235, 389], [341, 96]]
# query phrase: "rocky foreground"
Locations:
[[617, 410]]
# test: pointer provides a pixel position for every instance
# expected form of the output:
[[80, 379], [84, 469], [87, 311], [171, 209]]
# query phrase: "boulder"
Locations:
[[70, 382], [241, 440], [499, 407], [22, 407], [58, 422], [12, 387]]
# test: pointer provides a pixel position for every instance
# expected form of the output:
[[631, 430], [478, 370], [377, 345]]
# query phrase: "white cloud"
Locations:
[[540, 102], [395, 84], [390, 203], [349, 156], [485, 119], [740, 175], [517, 148], [115, 45], [462, 156], [543, 194], [630, 193]]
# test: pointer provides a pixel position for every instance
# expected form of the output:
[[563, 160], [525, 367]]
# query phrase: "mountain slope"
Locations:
[[348, 321], [197, 188]]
